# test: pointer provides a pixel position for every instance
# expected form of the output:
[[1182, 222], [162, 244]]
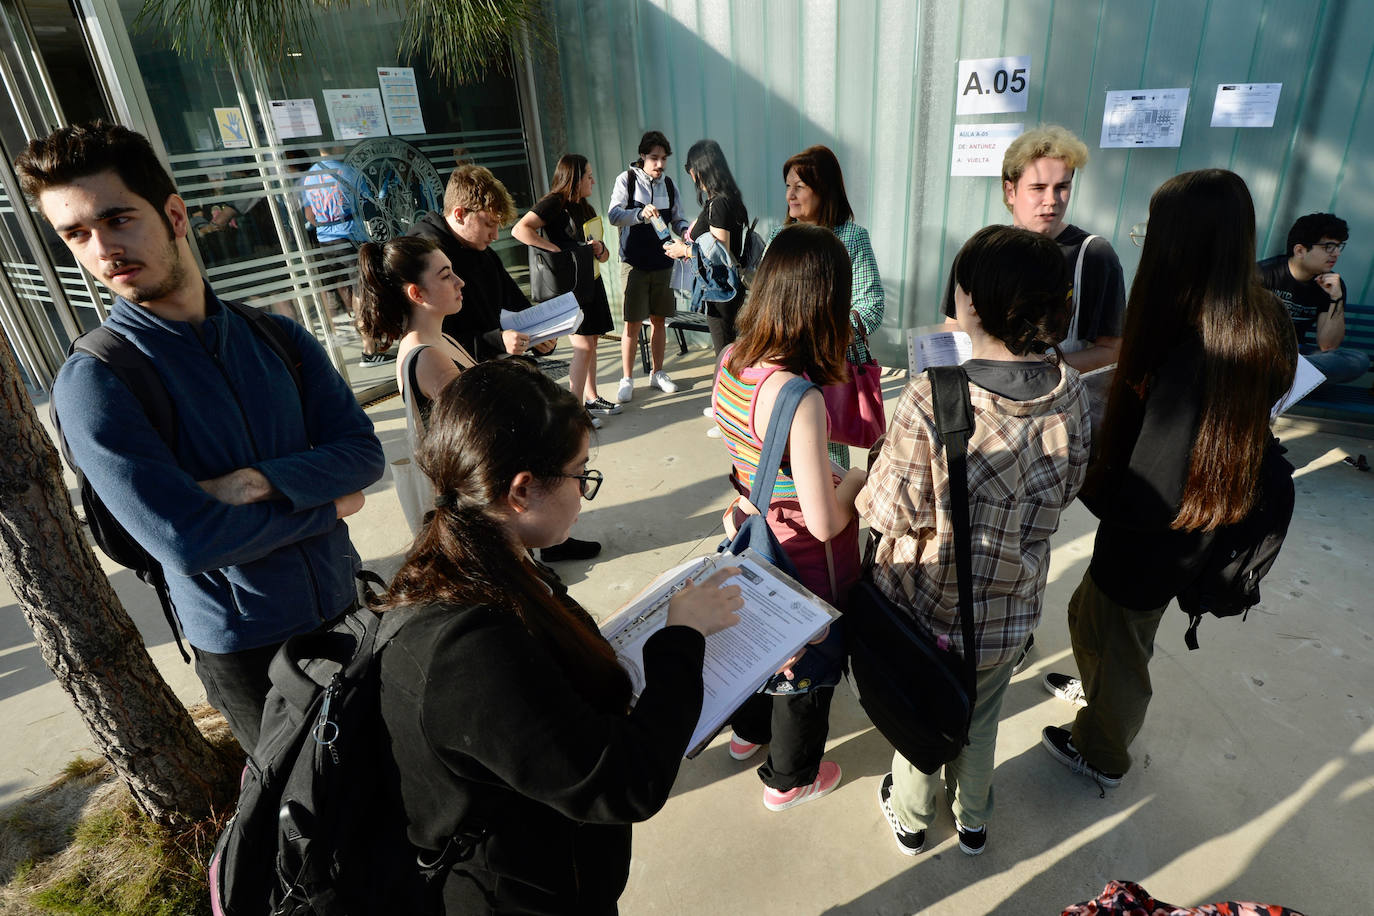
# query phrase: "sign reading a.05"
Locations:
[[992, 85]]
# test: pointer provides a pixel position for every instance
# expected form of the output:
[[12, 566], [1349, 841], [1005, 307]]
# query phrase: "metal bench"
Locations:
[[678, 324], [1352, 402]]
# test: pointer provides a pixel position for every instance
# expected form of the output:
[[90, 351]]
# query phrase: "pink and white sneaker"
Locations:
[[827, 778], [741, 749]]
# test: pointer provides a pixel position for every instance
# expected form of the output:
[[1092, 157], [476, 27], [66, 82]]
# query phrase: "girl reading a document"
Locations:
[[795, 326], [510, 721]]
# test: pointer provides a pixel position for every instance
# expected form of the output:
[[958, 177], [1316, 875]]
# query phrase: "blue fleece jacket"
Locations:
[[240, 577]]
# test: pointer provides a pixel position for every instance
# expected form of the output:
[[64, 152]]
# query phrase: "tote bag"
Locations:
[[413, 488], [855, 407]]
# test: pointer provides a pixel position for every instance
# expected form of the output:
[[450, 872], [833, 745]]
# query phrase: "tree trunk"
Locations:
[[84, 633]]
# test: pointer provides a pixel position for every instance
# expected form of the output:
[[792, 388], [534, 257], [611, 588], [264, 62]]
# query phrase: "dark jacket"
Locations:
[[239, 576], [1138, 560], [487, 289], [489, 733]]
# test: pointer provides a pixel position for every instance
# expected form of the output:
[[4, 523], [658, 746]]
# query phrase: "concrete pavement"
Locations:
[[1254, 774]]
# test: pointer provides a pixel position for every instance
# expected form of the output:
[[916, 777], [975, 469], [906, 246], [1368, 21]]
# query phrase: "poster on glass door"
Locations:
[[355, 114], [401, 99]]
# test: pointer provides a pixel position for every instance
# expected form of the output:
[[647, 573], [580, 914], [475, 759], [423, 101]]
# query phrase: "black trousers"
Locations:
[[720, 321], [236, 683], [794, 728]]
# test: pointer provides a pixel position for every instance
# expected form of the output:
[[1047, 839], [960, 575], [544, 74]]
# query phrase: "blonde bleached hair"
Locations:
[[1048, 141], [477, 190]]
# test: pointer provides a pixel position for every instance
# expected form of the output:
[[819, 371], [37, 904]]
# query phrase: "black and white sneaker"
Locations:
[[1069, 689], [376, 359], [909, 842], [1057, 742], [602, 408], [972, 841]]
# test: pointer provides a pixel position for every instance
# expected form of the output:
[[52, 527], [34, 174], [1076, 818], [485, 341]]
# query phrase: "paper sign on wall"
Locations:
[[1135, 118], [232, 132], [993, 85], [402, 100], [355, 114], [1246, 104], [978, 148], [295, 118]]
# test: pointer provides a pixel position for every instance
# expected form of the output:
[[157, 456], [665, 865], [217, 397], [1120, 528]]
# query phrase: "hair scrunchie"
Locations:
[[445, 500]]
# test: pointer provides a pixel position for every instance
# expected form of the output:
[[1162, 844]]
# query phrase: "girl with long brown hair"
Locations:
[[1207, 353], [508, 715], [561, 215], [803, 282]]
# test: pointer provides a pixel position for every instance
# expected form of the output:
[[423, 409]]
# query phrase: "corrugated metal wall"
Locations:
[[876, 81]]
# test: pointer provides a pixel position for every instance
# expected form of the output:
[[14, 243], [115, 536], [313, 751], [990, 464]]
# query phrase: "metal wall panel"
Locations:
[[875, 81]]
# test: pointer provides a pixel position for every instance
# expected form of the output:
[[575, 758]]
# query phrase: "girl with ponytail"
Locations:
[[408, 287], [1027, 457], [508, 715]]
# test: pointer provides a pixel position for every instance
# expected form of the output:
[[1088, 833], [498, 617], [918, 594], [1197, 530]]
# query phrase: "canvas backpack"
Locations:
[[135, 370], [319, 828], [643, 247], [1243, 553], [751, 255]]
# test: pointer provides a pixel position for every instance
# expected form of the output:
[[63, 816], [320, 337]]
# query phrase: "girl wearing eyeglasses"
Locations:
[[509, 717]]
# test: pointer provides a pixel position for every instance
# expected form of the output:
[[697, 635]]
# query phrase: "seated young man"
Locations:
[[1306, 283]]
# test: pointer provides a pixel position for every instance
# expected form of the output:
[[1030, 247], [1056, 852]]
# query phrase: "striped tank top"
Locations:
[[734, 402]]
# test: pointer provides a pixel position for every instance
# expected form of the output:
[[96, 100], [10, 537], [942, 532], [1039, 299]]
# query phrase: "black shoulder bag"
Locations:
[[918, 694]]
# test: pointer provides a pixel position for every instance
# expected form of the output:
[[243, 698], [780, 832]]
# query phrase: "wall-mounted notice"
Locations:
[[978, 148], [355, 114], [232, 132], [992, 85], [402, 100], [1246, 104], [1137, 118], [295, 118]]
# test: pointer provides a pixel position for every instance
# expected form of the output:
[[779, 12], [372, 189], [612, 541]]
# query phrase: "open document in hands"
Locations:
[[554, 318], [779, 617], [931, 346], [1305, 379]]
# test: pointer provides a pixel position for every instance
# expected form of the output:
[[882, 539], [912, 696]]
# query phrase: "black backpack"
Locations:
[[319, 827], [1243, 553], [133, 367], [643, 247]]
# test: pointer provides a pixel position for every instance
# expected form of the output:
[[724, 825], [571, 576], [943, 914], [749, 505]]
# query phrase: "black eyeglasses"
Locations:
[[590, 483], [1331, 247]]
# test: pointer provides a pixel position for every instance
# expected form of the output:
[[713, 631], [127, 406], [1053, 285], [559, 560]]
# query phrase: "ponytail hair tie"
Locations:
[[444, 500]]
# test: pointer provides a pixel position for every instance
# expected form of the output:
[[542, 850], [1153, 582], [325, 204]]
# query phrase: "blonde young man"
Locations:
[[1037, 180]]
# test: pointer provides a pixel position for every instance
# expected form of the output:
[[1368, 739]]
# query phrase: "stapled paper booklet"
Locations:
[[554, 318], [929, 346], [1305, 379], [779, 617]]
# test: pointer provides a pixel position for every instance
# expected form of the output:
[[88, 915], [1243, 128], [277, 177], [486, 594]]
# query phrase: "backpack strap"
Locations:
[[1072, 335], [954, 424], [277, 339], [775, 442], [672, 196]]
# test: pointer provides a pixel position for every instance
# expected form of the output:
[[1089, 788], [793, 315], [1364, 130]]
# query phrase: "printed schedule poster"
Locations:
[[355, 114], [295, 118], [232, 133], [993, 85], [1246, 104], [402, 100], [978, 148], [1136, 118]]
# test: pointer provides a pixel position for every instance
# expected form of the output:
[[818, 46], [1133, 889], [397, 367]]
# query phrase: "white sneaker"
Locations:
[[713, 432], [596, 421], [709, 413], [626, 391], [661, 381]]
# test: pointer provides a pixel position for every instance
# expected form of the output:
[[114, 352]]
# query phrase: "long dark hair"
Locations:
[[1019, 284], [492, 422], [797, 313], [1197, 279], [820, 171], [567, 175], [706, 160], [383, 271]]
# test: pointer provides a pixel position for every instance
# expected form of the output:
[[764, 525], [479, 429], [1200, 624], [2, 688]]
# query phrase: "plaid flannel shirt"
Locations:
[[1026, 462]]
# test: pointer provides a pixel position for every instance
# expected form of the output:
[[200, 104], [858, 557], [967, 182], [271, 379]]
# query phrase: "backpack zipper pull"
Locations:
[[326, 731]]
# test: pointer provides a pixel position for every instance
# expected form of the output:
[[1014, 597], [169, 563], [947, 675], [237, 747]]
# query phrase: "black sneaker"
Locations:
[[602, 408], [1069, 689], [1057, 742], [972, 841], [1025, 651], [376, 359], [909, 842], [571, 549]]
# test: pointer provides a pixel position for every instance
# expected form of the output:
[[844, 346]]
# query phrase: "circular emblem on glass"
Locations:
[[396, 186]]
